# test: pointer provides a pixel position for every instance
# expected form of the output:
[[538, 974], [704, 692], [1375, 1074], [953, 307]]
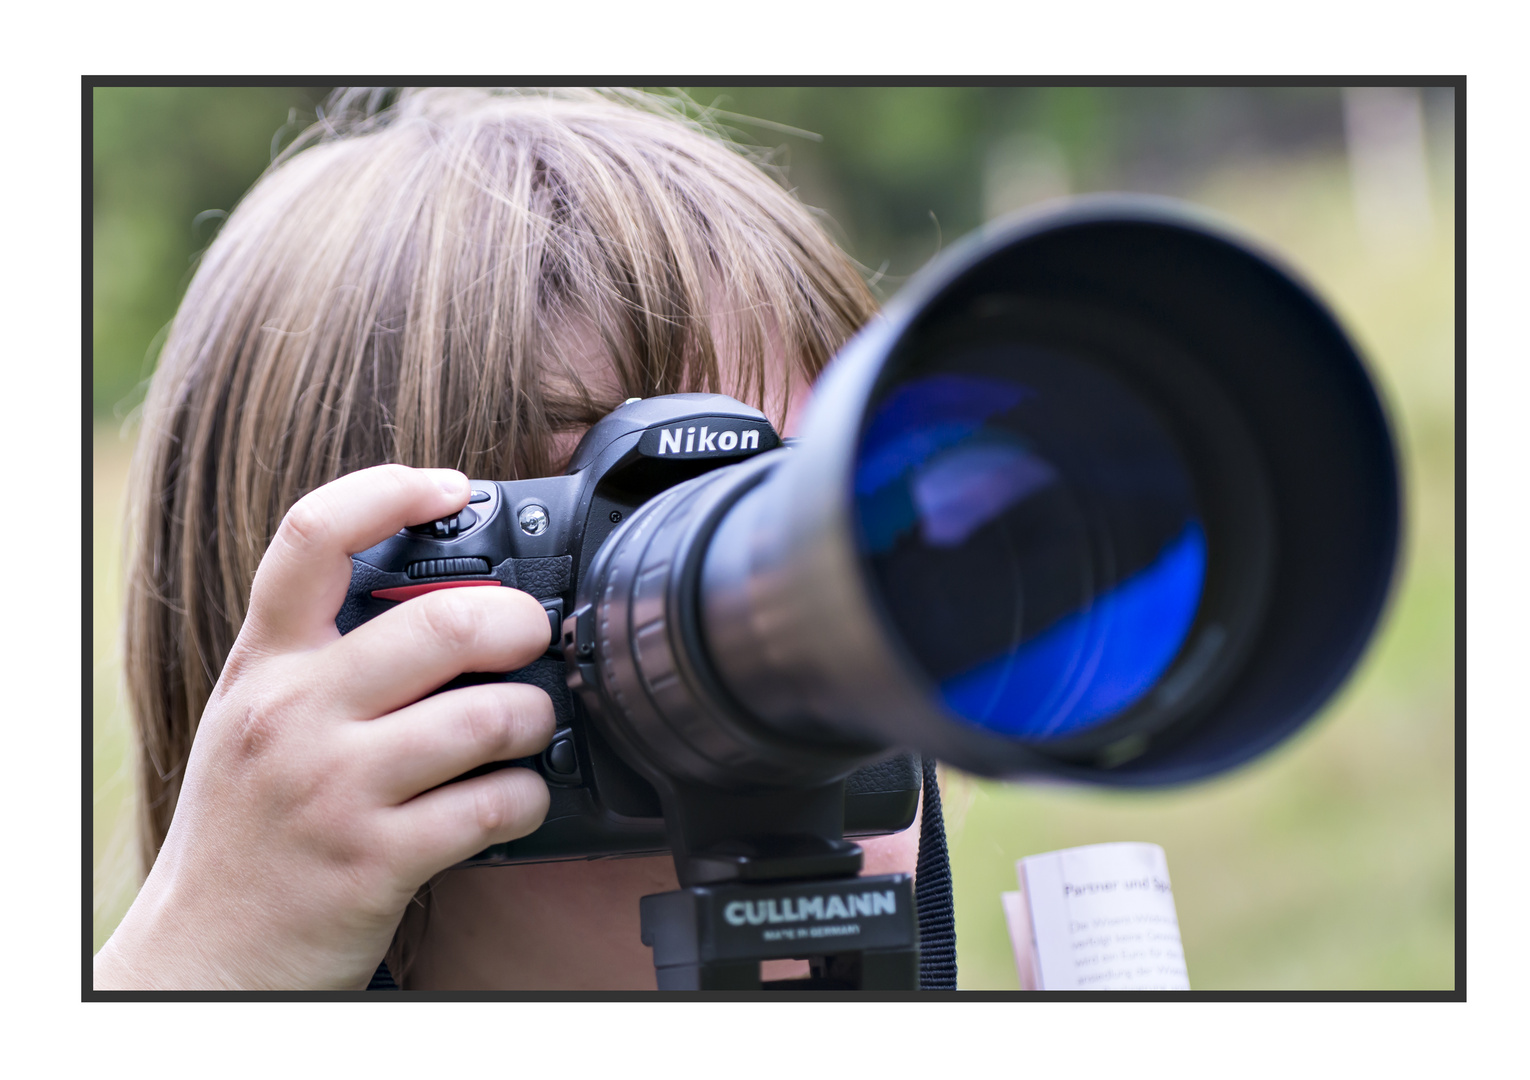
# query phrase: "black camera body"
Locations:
[[543, 536]]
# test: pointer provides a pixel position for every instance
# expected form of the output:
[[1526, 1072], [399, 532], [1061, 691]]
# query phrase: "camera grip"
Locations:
[[375, 589]]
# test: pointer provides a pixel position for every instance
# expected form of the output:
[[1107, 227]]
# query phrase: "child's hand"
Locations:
[[311, 812]]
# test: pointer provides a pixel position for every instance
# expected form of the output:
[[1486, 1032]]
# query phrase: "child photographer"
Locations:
[[455, 285]]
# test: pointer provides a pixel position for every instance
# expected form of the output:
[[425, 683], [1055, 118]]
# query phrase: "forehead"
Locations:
[[748, 356]]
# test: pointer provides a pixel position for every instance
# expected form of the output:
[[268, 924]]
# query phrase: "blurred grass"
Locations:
[[112, 852], [1327, 865]]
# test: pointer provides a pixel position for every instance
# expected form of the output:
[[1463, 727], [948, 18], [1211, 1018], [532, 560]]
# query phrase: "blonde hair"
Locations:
[[451, 280]]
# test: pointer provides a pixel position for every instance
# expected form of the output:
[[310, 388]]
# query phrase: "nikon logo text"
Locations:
[[693, 440], [810, 908]]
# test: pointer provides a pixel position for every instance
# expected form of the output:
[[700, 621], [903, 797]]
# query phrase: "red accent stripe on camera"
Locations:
[[409, 592]]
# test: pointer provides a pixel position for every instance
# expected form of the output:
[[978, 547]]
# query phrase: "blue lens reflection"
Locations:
[[1115, 650], [1034, 537]]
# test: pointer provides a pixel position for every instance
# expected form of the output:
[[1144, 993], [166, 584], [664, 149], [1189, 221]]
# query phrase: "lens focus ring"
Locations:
[[656, 694]]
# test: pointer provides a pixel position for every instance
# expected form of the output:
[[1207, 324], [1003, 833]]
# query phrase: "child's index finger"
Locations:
[[304, 575]]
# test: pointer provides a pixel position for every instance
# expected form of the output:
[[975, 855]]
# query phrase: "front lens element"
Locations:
[[1033, 535]]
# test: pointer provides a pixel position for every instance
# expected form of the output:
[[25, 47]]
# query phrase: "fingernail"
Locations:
[[452, 482]]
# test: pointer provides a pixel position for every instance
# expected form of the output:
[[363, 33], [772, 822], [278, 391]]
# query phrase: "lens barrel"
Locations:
[[1105, 494]]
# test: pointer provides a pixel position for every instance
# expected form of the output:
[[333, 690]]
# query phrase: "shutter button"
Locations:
[[447, 527]]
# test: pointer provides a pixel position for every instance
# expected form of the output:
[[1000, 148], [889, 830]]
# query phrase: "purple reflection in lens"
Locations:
[[964, 488]]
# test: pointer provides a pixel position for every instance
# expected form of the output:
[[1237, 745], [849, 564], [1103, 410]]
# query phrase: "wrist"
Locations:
[[156, 947]]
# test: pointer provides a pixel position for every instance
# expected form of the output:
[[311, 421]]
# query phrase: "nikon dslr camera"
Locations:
[[544, 536]]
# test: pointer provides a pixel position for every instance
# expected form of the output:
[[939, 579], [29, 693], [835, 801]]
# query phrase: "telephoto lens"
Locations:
[[1105, 494]]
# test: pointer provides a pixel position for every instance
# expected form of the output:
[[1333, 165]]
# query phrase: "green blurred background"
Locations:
[[1329, 864]]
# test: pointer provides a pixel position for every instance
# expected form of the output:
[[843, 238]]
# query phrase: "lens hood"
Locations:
[[1223, 362]]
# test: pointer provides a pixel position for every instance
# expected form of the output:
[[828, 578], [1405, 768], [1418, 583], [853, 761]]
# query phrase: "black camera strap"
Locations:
[[932, 891]]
